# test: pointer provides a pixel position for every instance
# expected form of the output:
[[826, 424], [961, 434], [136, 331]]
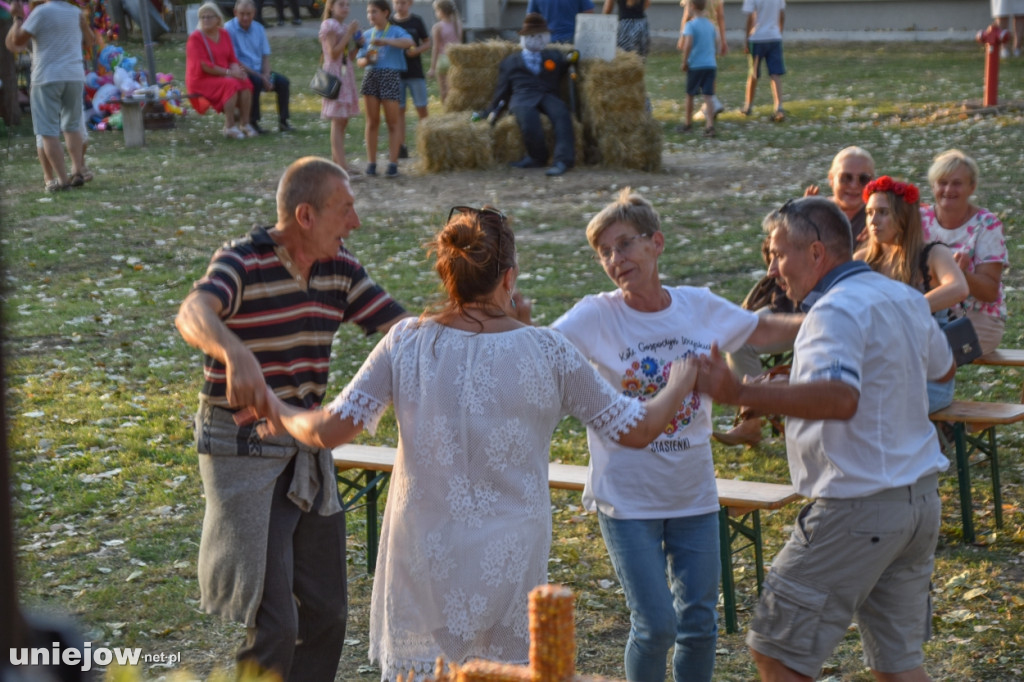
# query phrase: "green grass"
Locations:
[[101, 389]]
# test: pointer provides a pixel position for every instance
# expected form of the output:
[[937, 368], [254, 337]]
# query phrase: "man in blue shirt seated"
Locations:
[[252, 48]]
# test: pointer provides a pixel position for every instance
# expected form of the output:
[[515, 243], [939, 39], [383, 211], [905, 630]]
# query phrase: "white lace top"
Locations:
[[467, 526]]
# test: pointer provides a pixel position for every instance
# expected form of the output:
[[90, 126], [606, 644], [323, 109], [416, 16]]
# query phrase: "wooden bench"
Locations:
[[974, 429], [1003, 357], [739, 517]]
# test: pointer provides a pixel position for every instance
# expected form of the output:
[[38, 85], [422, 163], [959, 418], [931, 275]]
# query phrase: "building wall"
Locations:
[[802, 15]]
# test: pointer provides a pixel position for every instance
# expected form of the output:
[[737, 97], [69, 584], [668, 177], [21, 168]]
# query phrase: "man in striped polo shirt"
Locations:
[[272, 554]]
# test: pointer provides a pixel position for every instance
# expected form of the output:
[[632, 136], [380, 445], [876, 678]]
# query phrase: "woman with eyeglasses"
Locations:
[[896, 248], [477, 395], [852, 169], [212, 70], [658, 507], [976, 237]]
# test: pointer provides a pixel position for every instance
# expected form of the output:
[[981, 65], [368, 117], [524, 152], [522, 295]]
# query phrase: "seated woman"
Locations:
[[976, 238], [477, 395], [896, 249], [212, 70]]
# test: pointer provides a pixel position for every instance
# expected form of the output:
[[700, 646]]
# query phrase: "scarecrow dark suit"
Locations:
[[530, 82]]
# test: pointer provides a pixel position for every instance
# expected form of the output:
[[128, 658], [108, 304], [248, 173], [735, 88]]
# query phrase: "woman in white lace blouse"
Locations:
[[477, 395]]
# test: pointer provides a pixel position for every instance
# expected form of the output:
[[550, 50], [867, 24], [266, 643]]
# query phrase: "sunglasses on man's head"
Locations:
[[793, 209], [862, 178]]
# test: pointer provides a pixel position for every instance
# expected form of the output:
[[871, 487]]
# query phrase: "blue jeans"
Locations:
[[680, 610]]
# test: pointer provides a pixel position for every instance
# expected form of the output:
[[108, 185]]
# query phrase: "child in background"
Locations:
[[715, 12], [447, 31], [383, 57], [339, 41], [634, 33], [700, 45], [413, 81], [765, 19]]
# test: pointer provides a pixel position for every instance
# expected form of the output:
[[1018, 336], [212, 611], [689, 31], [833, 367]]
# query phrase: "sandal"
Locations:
[[779, 116], [234, 133], [77, 180], [682, 129], [746, 112], [709, 131], [87, 175], [55, 186]]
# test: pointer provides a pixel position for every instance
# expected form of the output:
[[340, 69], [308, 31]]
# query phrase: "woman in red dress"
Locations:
[[212, 70]]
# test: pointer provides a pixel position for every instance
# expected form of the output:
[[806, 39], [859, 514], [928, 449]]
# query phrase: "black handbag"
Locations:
[[963, 340], [326, 85]]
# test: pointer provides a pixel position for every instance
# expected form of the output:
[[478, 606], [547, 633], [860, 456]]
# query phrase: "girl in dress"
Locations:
[[477, 395], [340, 41], [447, 31], [383, 57]]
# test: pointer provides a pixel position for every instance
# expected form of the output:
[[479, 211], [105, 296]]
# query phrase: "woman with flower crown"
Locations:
[[896, 249]]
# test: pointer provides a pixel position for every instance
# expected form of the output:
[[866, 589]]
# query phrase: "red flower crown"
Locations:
[[905, 190]]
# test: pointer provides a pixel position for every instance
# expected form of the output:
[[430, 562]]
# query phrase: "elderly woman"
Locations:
[[213, 71], [477, 395], [976, 238], [852, 169], [658, 508], [896, 249]]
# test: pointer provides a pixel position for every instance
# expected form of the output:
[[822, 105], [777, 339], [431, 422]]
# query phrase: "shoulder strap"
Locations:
[[923, 265]]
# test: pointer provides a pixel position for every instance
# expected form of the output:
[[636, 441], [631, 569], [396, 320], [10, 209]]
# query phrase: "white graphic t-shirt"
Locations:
[[673, 476]]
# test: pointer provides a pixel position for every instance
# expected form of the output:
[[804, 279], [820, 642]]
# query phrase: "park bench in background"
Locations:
[[974, 429], [363, 471], [1003, 357]]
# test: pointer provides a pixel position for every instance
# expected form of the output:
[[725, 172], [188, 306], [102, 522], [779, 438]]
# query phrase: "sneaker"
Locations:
[[256, 126], [233, 133], [1004, 52], [403, 152], [719, 107], [392, 170], [249, 131], [286, 127], [296, 22], [371, 169]]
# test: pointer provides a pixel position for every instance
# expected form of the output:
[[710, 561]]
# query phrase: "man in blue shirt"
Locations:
[[561, 16], [252, 48]]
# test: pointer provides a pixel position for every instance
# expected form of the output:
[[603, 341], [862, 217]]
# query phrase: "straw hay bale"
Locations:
[[508, 139], [630, 144], [452, 142], [474, 73]]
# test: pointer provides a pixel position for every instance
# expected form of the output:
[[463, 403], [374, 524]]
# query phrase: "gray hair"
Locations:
[[305, 182], [813, 219], [629, 207]]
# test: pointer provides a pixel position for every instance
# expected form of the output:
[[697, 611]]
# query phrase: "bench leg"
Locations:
[[997, 491], [728, 582], [963, 474]]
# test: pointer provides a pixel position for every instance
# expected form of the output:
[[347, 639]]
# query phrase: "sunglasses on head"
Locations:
[[792, 208], [477, 213], [848, 178]]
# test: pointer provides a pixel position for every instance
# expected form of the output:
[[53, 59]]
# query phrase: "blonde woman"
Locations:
[[213, 71]]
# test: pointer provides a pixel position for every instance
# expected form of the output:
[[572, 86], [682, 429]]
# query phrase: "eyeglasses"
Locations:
[[603, 254], [791, 208], [477, 213], [848, 178]]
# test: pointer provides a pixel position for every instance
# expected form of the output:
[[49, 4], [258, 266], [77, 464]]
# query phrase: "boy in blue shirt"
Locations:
[[700, 46]]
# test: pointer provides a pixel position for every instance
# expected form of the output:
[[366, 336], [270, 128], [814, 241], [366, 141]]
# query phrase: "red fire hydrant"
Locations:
[[992, 37]]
